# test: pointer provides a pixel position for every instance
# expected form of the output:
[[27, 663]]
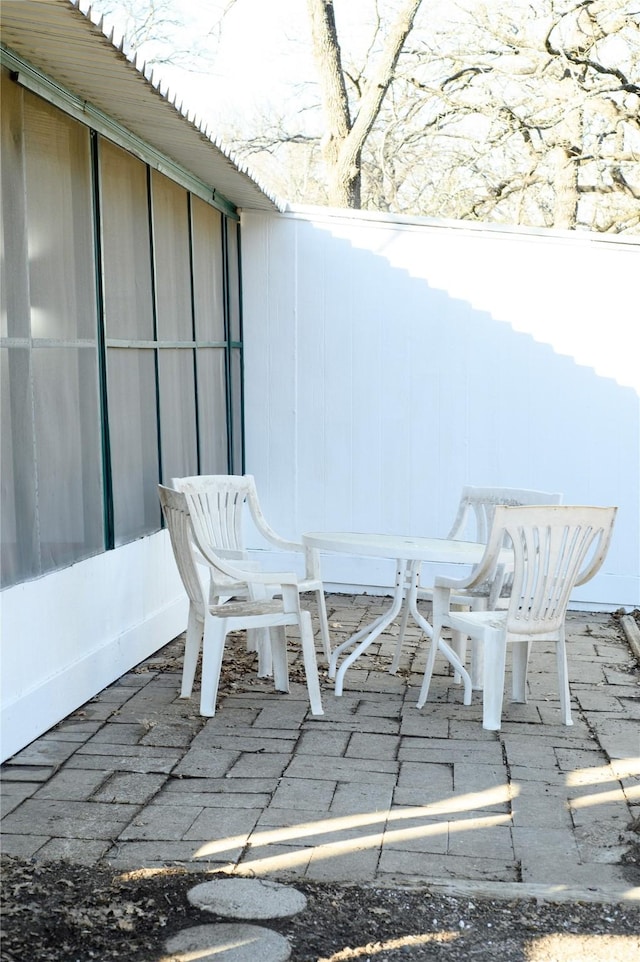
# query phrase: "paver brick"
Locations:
[[544, 811], [343, 770], [133, 787], [74, 724], [119, 734], [66, 819], [185, 785], [381, 706], [598, 701], [478, 837], [206, 763], [417, 835], [373, 746], [125, 758], [325, 743], [432, 780], [25, 773], [352, 861], [619, 738], [162, 822], [73, 785], [543, 775], [214, 799], [14, 794], [72, 735], [253, 765], [136, 855], [437, 749], [478, 778], [570, 760], [81, 851], [417, 866], [353, 797], [353, 723], [416, 724], [241, 743], [280, 860], [304, 794], [23, 846], [289, 825], [224, 827]]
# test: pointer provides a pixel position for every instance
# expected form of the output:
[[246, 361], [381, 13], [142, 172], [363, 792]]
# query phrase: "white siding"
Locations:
[[388, 362], [73, 632]]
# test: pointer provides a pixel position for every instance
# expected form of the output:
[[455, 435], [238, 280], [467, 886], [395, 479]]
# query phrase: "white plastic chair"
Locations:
[[223, 498], [555, 548], [208, 625], [473, 522]]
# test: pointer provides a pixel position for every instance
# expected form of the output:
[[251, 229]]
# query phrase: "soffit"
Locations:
[[55, 37]]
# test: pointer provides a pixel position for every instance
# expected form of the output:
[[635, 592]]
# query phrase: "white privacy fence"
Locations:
[[389, 361]]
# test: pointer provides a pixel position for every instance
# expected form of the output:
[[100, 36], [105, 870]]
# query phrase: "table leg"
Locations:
[[421, 621], [367, 635]]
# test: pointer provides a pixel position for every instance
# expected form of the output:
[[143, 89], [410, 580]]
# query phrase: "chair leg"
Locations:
[[428, 672], [215, 633], [519, 661], [459, 644], [495, 656], [192, 645], [563, 680], [263, 647], [280, 663], [324, 624], [310, 663], [477, 650], [477, 664], [399, 643], [259, 639]]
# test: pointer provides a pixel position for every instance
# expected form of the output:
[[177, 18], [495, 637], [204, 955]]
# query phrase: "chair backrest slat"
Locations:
[[552, 546], [222, 498], [474, 521], [477, 507], [176, 514]]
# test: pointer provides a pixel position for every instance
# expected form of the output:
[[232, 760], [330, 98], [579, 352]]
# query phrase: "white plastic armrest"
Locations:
[[263, 525], [244, 573], [453, 583], [276, 540], [485, 570]]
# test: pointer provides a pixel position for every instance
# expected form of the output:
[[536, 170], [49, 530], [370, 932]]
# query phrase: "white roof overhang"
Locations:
[[65, 45]]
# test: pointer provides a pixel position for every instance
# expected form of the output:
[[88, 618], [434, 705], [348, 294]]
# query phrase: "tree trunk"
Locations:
[[344, 138]]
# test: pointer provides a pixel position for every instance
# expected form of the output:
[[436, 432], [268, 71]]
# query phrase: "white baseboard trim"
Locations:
[[42, 707]]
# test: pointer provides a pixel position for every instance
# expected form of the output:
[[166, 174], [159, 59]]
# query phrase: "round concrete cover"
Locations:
[[228, 942], [246, 898]]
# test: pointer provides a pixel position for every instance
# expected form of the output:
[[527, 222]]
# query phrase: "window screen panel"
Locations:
[[52, 444], [68, 455], [20, 550], [131, 385], [207, 271], [126, 251], [212, 410], [177, 413], [14, 274], [59, 223], [172, 261]]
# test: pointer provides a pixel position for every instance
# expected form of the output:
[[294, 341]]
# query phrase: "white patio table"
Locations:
[[409, 554]]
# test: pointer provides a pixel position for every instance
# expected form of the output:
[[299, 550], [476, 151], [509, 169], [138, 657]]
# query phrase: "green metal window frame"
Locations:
[[101, 125]]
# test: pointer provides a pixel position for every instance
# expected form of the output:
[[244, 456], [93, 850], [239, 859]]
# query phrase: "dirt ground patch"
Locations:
[[58, 912]]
